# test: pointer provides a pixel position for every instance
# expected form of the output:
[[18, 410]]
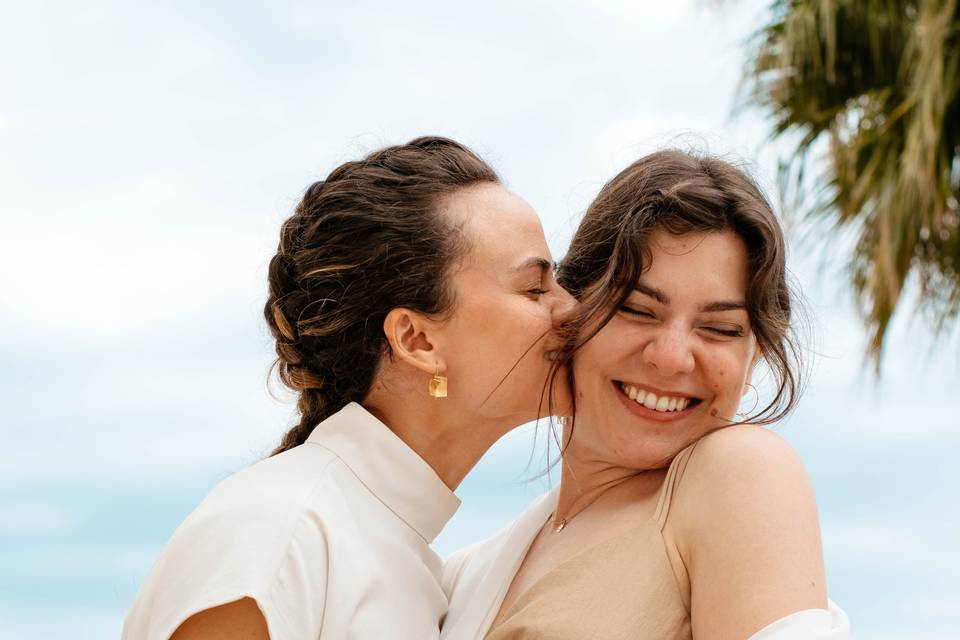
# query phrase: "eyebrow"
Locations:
[[710, 307], [541, 263]]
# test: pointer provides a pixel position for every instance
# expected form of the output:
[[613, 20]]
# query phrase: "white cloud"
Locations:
[[113, 276]]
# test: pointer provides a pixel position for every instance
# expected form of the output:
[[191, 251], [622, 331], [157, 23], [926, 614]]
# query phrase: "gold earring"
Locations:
[[438, 385]]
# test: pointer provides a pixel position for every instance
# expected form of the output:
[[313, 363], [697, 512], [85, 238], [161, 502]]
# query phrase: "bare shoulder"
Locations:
[[237, 620], [743, 455], [742, 477], [745, 524], [744, 443]]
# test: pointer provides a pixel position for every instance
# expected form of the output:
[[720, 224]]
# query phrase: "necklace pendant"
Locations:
[[560, 526]]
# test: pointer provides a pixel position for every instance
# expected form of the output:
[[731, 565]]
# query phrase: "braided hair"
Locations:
[[368, 239]]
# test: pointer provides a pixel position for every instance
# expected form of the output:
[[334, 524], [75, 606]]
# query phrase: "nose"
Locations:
[[564, 307], [669, 353]]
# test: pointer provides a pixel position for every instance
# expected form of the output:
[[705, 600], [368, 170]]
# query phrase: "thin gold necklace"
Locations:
[[562, 524]]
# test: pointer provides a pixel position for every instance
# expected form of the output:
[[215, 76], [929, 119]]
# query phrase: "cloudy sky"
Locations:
[[149, 151]]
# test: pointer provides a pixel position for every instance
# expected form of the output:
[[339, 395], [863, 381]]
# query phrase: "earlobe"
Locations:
[[409, 335]]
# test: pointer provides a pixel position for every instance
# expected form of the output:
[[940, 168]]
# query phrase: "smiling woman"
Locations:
[[678, 354], [671, 520]]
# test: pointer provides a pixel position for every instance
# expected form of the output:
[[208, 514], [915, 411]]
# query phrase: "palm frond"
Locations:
[[879, 81]]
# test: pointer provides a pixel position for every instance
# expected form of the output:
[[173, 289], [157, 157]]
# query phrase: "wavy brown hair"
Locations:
[[681, 192], [369, 238]]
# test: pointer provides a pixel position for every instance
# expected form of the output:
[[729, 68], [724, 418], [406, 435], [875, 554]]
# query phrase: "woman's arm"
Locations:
[[745, 523], [237, 620]]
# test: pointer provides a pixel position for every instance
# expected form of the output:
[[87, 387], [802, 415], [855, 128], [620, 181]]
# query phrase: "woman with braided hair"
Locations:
[[413, 304]]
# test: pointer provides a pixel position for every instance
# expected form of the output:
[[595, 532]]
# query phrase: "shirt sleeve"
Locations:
[[242, 541], [293, 596], [812, 624]]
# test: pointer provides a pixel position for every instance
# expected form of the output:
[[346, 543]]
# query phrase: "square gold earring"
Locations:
[[438, 385]]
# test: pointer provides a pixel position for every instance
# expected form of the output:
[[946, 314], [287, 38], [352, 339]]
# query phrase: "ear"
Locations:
[[411, 336]]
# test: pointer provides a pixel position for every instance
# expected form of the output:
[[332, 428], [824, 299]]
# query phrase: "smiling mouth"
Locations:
[[662, 403]]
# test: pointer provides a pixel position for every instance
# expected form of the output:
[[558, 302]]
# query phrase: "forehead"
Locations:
[[501, 227], [697, 264]]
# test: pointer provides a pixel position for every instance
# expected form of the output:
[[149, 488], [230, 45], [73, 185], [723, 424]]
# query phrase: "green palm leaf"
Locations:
[[877, 84]]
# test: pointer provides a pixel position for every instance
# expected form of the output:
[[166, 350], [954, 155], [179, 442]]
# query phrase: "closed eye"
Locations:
[[735, 332], [640, 313]]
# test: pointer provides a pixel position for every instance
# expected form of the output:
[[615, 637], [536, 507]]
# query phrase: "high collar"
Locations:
[[391, 470]]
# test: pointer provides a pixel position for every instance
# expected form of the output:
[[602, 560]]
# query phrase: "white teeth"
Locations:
[[651, 401]]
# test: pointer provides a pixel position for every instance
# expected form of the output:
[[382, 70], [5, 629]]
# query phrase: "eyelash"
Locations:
[[728, 333], [731, 333], [635, 312], [537, 292]]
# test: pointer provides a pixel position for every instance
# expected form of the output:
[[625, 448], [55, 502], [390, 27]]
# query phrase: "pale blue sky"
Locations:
[[149, 151]]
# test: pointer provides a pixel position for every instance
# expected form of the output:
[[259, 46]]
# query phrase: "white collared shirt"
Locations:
[[331, 539]]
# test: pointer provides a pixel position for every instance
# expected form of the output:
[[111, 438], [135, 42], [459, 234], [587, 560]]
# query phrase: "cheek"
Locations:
[[515, 332], [587, 372], [527, 324], [499, 320], [600, 354], [725, 372], [475, 336]]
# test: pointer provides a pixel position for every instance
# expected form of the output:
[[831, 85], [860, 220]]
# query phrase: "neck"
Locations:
[[436, 431], [585, 479]]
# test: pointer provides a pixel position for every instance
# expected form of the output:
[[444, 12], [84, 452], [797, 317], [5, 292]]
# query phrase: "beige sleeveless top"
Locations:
[[631, 586]]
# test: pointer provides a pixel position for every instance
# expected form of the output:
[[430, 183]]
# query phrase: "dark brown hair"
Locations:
[[366, 240], [681, 192]]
